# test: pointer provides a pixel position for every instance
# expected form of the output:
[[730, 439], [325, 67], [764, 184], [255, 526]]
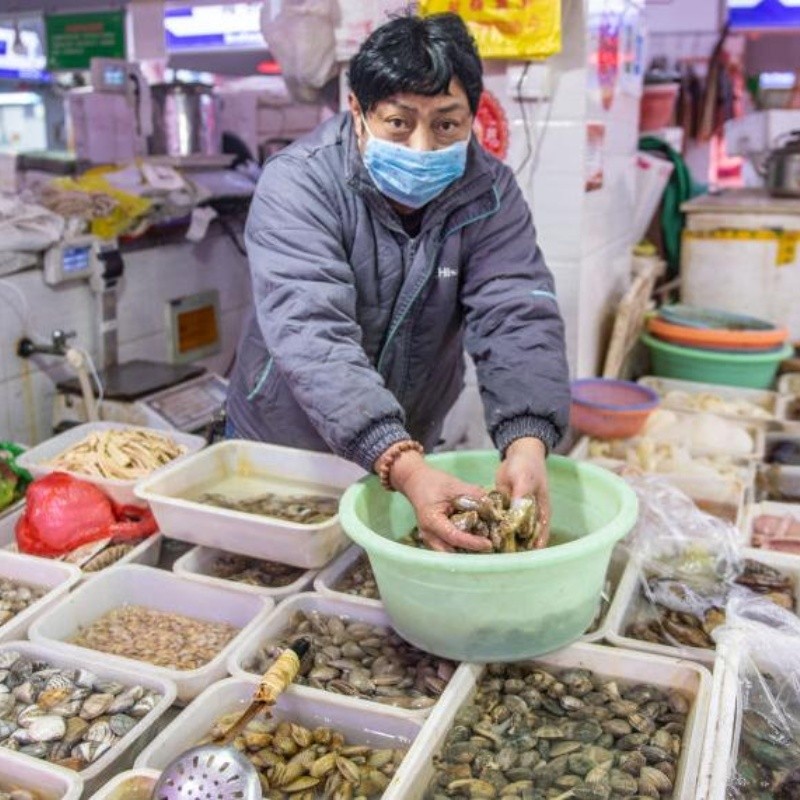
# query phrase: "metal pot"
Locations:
[[186, 120], [783, 168]]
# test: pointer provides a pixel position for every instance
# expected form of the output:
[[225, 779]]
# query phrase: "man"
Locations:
[[379, 246]]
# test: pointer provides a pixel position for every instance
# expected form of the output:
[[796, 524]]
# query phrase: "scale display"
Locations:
[[76, 259]]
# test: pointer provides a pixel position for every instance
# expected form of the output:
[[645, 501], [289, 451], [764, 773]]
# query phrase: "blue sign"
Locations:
[[768, 14], [213, 27], [34, 75]]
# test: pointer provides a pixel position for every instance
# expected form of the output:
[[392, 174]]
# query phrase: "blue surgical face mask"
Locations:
[[412, 177]]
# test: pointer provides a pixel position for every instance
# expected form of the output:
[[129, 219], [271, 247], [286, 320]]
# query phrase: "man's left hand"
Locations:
[[523, 473]]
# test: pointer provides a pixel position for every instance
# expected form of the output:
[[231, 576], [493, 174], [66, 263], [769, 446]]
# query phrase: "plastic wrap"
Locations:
[[690, 565], [765, 754]]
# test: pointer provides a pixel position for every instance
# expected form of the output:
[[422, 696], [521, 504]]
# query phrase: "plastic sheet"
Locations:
[[765, 756], [690, 566]]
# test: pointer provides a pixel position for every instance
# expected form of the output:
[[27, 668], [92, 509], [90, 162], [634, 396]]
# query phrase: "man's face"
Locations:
[[417, 121]]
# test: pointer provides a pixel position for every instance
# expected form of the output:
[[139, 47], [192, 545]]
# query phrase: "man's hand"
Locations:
[[523, 473], [432, 492]]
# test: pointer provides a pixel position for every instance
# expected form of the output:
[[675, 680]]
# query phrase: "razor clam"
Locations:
[[254, 571], [304, 510], [523, 728], [360, 660]]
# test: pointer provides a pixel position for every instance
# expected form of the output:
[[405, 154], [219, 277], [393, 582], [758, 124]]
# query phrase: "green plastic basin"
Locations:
[[494, 607], [753, 370]]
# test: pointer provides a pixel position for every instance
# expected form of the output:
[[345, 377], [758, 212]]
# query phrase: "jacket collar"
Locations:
[[476, 182]]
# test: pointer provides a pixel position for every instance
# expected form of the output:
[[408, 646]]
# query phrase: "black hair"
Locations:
[[419, 55]]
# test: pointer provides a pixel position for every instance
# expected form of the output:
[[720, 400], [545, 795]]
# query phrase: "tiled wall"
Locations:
[[152, 277]]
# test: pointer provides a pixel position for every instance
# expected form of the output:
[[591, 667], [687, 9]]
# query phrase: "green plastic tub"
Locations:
[[495, 607], [754, 370]]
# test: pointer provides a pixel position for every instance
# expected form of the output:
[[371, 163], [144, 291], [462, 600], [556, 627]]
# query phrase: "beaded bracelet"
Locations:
[[391, 455]]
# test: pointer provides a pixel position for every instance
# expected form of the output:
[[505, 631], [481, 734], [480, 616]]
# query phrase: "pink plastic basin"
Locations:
[[610, 409]]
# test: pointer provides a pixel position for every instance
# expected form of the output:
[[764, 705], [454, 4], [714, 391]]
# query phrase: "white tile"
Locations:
[[30, 405]]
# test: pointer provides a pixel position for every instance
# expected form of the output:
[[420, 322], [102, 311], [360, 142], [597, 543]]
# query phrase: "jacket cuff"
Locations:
[[373, 442], [525, 425]]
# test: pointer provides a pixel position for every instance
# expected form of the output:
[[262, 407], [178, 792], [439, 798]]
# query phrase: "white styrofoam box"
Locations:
[[281, 469], [112, 761], [789, 384], [788, 412], [376, 727], [620, 665], [754, 510], [196, 564], [767, 401], [628, 599], [327, 579], [121, 492], [716, 718], [56, 577], [158, 589], [46, 781], [133, 784], [310, 602], [616, 569]]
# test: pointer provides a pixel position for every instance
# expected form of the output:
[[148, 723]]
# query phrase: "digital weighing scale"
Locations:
[[151, 394]]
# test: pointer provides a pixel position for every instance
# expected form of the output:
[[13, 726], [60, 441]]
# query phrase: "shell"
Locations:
[[8, 658], [100, 731], [96, 705], [121, 724], [48, 728], [89, 752]]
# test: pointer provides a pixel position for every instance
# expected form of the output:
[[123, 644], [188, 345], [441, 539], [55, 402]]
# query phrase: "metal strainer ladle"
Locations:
[[218, 771]]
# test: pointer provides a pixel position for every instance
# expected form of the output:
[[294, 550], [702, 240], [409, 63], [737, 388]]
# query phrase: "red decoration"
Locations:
[[491, 125]]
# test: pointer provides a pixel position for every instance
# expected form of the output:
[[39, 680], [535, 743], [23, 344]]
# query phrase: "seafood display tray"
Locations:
[[146, 553], [756, 432], [723, 741], [121, 492], [628, 598], [719, 489], [8, 524], [789, 384], [296, 471], [195, 565], [48, 781], [381, 728], [616, 569], [780, 479], [134, 784], [755, 510], [759, 397], [692, 679], [56, 577], [158, 589], [335, 571], [309, 602], [119, 756]]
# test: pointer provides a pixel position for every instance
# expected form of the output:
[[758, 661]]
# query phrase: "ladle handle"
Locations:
[[281, 674]]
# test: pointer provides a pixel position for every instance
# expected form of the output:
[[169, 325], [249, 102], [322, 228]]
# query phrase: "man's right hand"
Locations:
[[431, 492]]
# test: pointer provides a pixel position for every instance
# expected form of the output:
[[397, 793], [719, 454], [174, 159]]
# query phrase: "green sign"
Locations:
[[74, 39]]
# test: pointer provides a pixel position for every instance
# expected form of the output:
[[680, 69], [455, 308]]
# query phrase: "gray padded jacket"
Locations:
[[356, 336]]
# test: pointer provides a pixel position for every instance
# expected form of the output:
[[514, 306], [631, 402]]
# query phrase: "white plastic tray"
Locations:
[[620, 665], [121, 492], [154, 588], [755, 510], [195, 565], [146, 553], [783, 479], [333, 573], [628, 597], [310, 602], [789, 384], [134, 784], [766, 400], [57, 577], [283, 469], [47, 780], [372, 726], [616, 569], [109, 764]]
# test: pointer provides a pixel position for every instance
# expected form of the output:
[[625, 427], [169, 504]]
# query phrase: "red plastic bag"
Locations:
[[63, 513]]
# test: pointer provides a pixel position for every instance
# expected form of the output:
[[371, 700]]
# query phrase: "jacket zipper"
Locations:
[[396, 325]]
